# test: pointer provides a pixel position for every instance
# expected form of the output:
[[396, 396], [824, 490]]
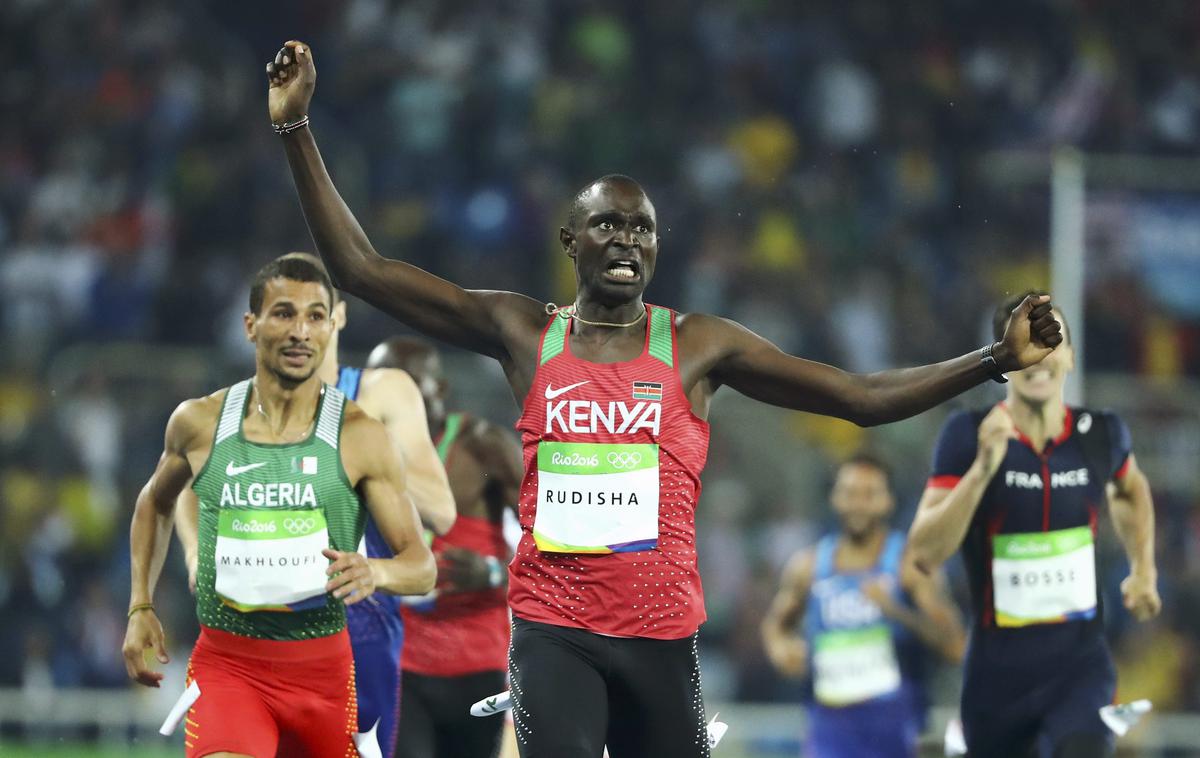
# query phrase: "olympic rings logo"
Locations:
[[301, 525], [624, 460]]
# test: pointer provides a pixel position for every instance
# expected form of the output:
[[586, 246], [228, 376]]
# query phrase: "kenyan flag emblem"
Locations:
[[647, 391]]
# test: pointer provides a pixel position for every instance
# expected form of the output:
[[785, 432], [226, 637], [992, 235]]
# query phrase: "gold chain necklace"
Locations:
[[263, 413], [569, 312]]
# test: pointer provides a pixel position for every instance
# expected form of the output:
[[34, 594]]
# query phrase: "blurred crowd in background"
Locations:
[[829, 173]]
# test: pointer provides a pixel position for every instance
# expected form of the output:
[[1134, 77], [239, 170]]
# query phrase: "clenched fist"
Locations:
[[1032, 333], [292, 77], [995, 431]]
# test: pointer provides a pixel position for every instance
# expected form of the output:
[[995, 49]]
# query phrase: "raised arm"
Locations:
[[786, 649], [373, 467], [1132, 509], [477, 320], [758, 369], [946, 509], [403, 415], [149, 538]]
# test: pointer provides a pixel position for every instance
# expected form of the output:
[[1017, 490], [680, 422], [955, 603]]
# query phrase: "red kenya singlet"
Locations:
[[613, 455]]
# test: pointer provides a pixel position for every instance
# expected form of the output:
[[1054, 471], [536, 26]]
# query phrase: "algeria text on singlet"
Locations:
[[266, 513], [613, 455]]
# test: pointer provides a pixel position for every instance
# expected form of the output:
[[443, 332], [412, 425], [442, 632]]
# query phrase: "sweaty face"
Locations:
[[615, 243], [861, 498], [292, 329], [1044, 381]]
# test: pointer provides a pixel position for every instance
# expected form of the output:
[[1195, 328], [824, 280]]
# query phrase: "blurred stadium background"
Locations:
[[858, 180]]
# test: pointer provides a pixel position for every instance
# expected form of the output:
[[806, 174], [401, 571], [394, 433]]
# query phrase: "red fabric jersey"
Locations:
[[654, 592], [464, 632]]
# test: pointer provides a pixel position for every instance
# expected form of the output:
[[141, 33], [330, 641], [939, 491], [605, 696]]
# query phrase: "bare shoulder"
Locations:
[[388, 383], [194, 421], [707, 329], [364, 442], [798, 573], [521, 319]]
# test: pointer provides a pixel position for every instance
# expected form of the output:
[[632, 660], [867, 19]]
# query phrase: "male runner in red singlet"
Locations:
[[286, 470], [604, 588], [456, 644]]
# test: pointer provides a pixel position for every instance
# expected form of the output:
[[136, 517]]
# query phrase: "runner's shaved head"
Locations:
[[578, 211]]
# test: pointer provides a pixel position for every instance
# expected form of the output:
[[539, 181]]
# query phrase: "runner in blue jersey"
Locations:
[[1020, 487], [868, 618], [376, 631]]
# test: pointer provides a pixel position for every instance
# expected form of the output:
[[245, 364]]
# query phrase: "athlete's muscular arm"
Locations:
[[787, 650], [150, 536], [944, 515], [499, 455], [758, 369], [483, 321], [1132, 509], [933, 619], [376, 473], [403, 415], [187, 531]]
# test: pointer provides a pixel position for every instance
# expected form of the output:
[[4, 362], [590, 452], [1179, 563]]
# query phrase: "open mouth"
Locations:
[[296, 357], [623, 270]]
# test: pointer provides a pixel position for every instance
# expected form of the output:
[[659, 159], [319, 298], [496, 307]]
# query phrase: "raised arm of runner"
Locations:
[[403, 415], [150, 537], [758, 369], [786, 649], [376, 473], [483, 321], [961, 474], [1132, 509]]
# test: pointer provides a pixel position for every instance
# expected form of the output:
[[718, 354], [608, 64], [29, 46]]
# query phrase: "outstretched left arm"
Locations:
[[758, 369], [1132, 509]]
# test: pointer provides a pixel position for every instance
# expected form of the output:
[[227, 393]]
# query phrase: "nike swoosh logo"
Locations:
[[232, 470], [552, 393]]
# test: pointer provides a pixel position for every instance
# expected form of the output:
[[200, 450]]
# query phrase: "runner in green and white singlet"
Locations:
[[286, 469]]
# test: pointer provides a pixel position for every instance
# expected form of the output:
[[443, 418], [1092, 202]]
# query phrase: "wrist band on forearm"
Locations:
[[139, 607], [988, 361], [495, 571], [288, 128]]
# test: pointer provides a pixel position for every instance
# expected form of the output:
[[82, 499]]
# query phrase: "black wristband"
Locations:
[[988, 361]]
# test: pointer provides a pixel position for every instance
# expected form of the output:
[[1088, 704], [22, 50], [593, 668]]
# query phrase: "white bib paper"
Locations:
[[1044, 577], [270, 559], [854, 666], [596, 498]]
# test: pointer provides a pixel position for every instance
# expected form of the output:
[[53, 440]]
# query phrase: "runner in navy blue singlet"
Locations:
[[869, 616], [1020, 488]]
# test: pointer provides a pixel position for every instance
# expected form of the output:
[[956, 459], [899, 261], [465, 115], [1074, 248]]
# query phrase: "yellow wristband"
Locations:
[[139, 607]]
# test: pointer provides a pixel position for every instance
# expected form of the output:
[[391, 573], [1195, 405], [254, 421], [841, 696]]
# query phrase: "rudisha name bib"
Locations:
[[596, 498], [1044, 577]]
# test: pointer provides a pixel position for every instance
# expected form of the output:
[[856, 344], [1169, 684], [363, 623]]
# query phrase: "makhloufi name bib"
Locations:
[[1044, 577], [270, 560], [596, 498]]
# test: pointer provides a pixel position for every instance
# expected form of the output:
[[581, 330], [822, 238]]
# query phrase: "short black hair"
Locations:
[[871, 460], [576, 213], [316, 261], [1004, 310], [293, 266]]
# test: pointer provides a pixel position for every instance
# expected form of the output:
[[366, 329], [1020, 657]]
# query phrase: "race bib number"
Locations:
[[270, 560], [596, 498], [854, 666], [1044, 577]]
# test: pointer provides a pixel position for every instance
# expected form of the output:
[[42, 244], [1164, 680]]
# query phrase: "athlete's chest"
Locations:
[[1037, 491]]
